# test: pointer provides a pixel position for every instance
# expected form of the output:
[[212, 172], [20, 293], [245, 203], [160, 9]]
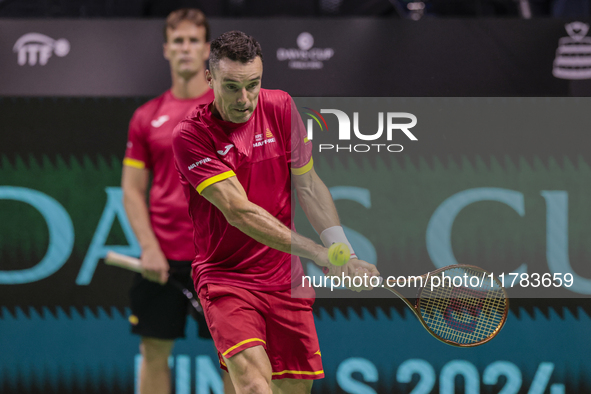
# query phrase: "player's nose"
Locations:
[[242, 97], [185, 46]]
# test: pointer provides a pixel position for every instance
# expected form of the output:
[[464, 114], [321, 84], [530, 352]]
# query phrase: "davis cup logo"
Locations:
[[38, 48], [305, 41], [573, 56], [306, 57], [395, 122]]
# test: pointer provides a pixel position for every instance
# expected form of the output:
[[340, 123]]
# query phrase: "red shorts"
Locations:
[[238, 319]]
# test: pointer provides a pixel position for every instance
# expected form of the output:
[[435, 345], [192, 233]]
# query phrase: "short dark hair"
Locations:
[[236, 46], [186, 14]]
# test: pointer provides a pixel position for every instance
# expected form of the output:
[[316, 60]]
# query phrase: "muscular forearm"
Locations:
[[154, 264], [139, 218], [318, 205], [259, 224]]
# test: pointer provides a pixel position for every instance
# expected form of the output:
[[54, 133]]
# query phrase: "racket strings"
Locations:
[[463, 314]]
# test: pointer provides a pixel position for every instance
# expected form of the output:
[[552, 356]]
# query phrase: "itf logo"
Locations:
[[38, 48], [394, 122], [306, 57]]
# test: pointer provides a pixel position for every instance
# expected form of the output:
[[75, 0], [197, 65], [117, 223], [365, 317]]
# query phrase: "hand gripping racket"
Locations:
[[460, 305], [133, 264]]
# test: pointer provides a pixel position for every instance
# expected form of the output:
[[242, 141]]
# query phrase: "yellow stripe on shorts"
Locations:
[[299, 372], [242, 343]]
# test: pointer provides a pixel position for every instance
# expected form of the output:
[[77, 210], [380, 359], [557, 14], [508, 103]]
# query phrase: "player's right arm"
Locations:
[[134, 184], [230, 198]]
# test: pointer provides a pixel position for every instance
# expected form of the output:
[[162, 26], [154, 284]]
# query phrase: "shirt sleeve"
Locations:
[[137, 154], [300, 151], [196, 158]]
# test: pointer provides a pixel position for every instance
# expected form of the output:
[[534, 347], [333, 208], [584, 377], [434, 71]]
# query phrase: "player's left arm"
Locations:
[[318, 205]]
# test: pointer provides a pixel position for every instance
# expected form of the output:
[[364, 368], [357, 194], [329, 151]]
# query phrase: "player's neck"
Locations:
[[189, 88]]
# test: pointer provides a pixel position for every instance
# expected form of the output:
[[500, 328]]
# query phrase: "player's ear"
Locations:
[[209, 78]]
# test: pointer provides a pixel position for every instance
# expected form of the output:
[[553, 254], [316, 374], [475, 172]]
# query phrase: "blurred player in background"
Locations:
[[238, 157], [163, 228]]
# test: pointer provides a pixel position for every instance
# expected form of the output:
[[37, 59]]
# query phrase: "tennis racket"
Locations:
[[464, 313], [133, 264]]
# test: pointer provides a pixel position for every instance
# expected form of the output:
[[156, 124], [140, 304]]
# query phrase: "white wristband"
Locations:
[[336, 234]]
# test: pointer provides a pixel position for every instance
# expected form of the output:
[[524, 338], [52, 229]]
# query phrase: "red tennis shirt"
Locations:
[[262, 153], [149, 146]]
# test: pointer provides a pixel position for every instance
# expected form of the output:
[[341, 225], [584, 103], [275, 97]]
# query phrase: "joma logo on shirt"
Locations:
[[224, 152], [160, 121], [198, 163]]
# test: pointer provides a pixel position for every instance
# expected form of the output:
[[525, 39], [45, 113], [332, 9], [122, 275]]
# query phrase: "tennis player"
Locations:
[[164, 229], [237, 161]]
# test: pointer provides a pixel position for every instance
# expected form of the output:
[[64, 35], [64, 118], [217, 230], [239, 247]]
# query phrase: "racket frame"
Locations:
[[415, 307]]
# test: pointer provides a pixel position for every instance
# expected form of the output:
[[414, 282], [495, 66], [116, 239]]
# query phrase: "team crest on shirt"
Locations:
[[259, 138]]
